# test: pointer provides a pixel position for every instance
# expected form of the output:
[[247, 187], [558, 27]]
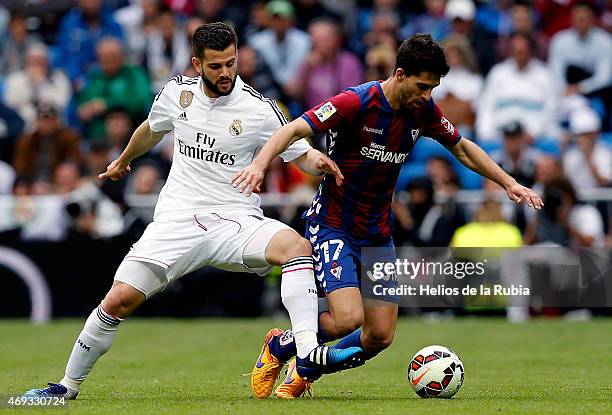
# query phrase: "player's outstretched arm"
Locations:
[[477, 160], [315, 163], [143, 140], [249, 179]]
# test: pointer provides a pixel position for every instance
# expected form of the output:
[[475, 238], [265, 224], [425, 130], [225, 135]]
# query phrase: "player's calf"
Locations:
[[345, 313], [375, 341], [99, 331], [379, 326]]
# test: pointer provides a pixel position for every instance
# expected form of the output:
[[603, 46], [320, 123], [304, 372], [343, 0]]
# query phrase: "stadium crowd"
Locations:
[[530, 81]]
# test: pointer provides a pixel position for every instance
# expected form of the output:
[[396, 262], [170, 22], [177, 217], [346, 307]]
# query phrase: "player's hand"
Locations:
[[115, 171], [518, 193], [327, 165], [249, 180]]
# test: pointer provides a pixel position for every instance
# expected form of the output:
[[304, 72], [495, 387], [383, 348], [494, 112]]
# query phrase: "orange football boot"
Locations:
[[294, 386], [267, 368]]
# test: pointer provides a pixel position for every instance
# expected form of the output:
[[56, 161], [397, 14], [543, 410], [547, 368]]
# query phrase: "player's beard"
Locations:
[[212, 87]]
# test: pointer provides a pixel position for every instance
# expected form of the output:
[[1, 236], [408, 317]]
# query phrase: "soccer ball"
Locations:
[[435, 372]]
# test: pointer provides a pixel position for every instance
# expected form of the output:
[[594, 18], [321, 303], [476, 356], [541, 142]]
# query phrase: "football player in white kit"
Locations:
[[200, 220]]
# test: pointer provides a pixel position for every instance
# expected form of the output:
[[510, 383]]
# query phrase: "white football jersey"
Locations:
[[213, 140]]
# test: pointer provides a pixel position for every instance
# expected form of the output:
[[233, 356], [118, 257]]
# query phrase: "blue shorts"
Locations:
[[339, 262]]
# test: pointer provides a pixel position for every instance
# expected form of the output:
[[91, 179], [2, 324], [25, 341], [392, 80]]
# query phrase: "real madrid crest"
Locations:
[[185, 98], [235, 128]]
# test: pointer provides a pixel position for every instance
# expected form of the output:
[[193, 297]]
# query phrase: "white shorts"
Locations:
[[180, 246]]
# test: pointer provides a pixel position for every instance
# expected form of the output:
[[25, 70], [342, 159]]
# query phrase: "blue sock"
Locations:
[[283, 346], [354, 340], [350, 340]]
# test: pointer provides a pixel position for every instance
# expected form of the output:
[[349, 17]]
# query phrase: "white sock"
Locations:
[[95, 339], [299, 294]]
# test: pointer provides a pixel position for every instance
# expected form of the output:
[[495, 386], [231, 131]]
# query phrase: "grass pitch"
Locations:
[[195, 366]]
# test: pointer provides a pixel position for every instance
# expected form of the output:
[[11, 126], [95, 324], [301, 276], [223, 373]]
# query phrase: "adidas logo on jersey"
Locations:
[[183, 116]]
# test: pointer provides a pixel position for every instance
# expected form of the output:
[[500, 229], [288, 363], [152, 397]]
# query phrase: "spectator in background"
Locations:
[[222, 11], [66, 177], [380, 62], [460, 89], [492, 231], [311, 10], [5, 17], [488, 229], [516, 157], [145, 181], [38, 154], [588, 164], [496, 17], [191, 25], [112, 85], [256, 73], [258, 19], [328, 69], [11, 128], [17, 43], [523, 21], [168, 51], [97, 158], [90, 214], [118, 127], [564, 221], [282, 47], [385, 29], [138, 21], [554, 15], [519, 88], [581, 57], [382, 16], [461, 14], [606, 24], [181, 7], [80, 31], [422, 222], [433, 21], [440, 172], [36, 83], [547, 169], [7, 178]]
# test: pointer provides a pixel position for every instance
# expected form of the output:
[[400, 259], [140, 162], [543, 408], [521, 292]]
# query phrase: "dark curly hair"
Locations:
[[216, 36], [420, 53]]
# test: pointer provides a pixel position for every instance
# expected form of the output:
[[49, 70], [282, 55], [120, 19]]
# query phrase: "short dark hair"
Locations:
[[527, 37], [216, 36], [420, 53], [588, 4]]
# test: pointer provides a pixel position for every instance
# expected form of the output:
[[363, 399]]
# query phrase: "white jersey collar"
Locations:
[[225, 99]]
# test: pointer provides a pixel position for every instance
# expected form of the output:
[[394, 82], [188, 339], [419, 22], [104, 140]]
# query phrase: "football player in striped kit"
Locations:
[[371, 129]]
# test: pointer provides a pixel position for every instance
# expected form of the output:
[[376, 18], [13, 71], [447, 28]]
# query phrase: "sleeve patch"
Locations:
[[447, 124], [325, 111]]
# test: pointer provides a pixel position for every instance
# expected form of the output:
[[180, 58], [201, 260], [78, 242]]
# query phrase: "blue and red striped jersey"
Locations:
[[369, 141]]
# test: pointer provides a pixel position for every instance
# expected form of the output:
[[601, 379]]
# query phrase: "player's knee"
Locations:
[[300, 247], [296, 247], [122, 300]]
